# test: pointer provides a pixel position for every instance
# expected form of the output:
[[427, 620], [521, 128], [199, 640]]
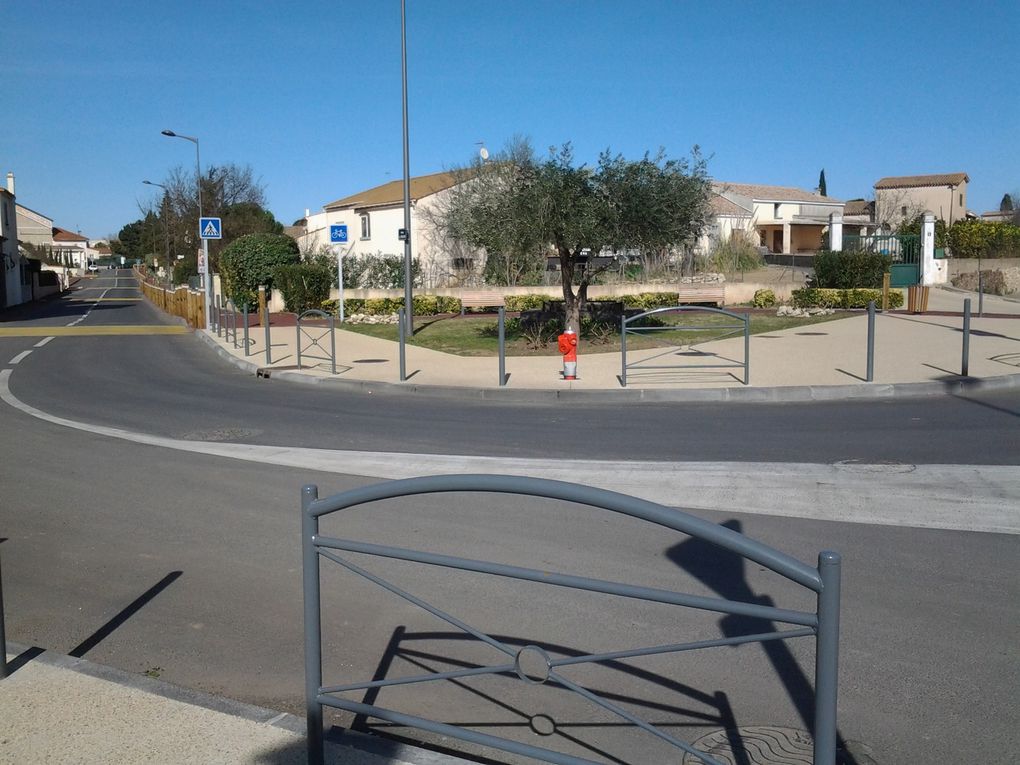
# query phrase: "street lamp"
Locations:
[[207, 274], [166, 232], [408, 309]]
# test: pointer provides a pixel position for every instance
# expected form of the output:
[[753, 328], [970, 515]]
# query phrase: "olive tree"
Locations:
[[516, 205]]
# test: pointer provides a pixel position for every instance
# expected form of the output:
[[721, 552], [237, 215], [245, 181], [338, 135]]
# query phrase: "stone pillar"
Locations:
[[932, 271], [836, 231], [787, 238]]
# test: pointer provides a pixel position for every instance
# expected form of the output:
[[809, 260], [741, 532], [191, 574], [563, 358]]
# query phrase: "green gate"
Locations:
[[904, 249]]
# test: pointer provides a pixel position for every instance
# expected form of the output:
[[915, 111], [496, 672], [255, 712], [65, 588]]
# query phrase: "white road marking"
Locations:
[[86, 314], [960, 497], [43, 342], [17, 359]]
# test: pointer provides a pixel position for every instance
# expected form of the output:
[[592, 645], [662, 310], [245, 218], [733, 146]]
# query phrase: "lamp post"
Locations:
[[166, 233], [408, 308], [207, 276]]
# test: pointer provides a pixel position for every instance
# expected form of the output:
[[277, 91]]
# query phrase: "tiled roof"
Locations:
[[63, 235], [859, 207], [723, 206], [917, 181], [760, 193], [393, 192]]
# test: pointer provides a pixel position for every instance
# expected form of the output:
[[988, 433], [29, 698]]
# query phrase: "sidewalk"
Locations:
[[827, 360], [58, 709]]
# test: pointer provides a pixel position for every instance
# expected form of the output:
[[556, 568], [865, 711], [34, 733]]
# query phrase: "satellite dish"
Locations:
[[483, 153]]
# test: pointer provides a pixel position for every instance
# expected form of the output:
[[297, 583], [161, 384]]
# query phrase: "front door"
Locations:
[[777, 240]]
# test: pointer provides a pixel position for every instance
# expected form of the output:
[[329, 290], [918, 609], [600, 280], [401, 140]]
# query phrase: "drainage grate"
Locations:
[[755, 745]]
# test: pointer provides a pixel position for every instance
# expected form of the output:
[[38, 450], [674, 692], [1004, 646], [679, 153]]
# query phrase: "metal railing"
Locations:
[[315, 341], [531, 663], [630, 326]]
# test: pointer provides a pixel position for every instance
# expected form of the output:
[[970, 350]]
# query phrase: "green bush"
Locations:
[[764, 299], [847, 269], [984, 239], [304, 285], [185, 269], [647, 301], [736, 254], [249, 261], [524, 302], [814, 297]]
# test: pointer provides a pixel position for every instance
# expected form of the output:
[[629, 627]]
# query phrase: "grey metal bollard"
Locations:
[[965, 361], [401, 333], [313, 626], [502, 346], [623, 350], [219, 316], [747, 349], [871, 341], [827, 659], [3, 629], [246, 343]]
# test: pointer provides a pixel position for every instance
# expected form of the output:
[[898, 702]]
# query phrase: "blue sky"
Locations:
[[308, 93]]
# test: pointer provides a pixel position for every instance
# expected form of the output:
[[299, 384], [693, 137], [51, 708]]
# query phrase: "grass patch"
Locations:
[[476, 336]]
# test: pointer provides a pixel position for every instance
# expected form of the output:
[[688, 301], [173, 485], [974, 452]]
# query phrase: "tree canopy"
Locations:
[[518, 205]]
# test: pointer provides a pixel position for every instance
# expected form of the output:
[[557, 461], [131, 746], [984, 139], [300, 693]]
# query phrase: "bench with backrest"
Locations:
[[701, 293], [480, 299]]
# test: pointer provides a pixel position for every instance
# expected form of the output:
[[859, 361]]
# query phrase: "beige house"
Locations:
[[782, 218], [374, 218], [905, 197]]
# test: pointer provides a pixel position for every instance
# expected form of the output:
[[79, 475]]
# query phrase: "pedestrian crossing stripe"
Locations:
[[109, 329]]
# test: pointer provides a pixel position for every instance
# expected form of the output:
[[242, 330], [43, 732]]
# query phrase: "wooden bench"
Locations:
[[481, 299], [702, 293]]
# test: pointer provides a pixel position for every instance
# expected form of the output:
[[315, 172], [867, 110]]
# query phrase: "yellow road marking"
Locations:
[[105, 300], [141, 329]]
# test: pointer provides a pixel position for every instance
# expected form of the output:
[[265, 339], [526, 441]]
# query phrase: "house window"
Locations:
[[366, 227], [775, 211], [961, 200]]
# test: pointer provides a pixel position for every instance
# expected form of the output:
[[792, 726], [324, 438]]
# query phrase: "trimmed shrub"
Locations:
[[249, 261], [814, 297], [304, 285], [647, 301], [524, 302], [764, 299], [978, 238], [847, 269]]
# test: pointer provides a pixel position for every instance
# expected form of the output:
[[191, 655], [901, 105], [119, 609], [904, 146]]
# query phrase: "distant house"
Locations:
[[782, 218], [374, 218], [905, 197], [34, 228], [859, 217], [15, 272], [71, 249]]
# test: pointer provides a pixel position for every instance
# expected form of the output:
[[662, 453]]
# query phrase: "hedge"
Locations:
[[304, 285], [424, 305], [249, 261], [849, 269], [814, 297]]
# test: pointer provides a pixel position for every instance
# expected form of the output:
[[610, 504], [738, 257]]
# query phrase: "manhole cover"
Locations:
[[855, 466], [755, 745], [221, 434]]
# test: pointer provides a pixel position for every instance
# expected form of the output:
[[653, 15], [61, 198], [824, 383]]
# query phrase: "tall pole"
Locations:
[[207, 276], [408, 310]]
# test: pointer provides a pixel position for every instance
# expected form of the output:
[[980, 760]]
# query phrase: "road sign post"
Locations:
[[208, 228], [337, 237]]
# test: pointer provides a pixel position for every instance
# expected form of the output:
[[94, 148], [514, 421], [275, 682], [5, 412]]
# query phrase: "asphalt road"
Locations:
[[188, 566]]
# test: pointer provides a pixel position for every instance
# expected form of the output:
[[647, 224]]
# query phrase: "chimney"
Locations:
[[307, 212], [10, 182]]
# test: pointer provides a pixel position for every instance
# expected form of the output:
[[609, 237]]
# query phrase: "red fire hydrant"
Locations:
[[568, 347]]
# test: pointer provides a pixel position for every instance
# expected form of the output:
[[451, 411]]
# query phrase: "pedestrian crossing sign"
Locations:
[[210, 228]]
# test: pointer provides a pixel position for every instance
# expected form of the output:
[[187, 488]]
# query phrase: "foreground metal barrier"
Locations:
[[823, 623], [315, 340], [631, 326]]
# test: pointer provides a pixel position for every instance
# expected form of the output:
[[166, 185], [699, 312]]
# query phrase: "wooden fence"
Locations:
[[181, 301]]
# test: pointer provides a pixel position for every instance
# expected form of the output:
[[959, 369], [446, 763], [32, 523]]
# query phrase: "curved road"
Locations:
[[168, 554]]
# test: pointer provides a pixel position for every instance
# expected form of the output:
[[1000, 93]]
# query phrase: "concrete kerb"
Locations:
[[781, 394], [380, 751]]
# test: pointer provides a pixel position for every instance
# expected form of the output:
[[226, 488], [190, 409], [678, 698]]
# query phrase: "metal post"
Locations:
[[871, 341], [233, 321], [402, 332], [219, 315], [313, 626], [408, 305], [269, 336], [827, 659], [502, 346], [965, 362], [246, 345], [623, 350], [298, 325], [747, 349], [340, 281], [3, 630], [981, 292], [332, 343]]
